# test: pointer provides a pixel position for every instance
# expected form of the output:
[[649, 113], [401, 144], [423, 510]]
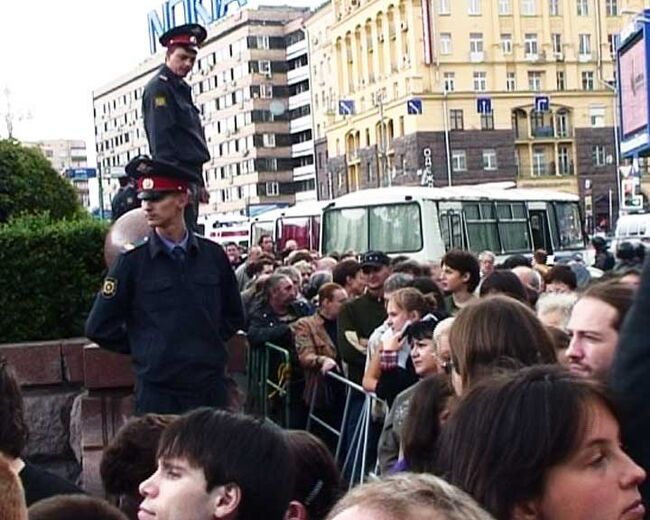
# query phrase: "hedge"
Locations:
[[50, 271]]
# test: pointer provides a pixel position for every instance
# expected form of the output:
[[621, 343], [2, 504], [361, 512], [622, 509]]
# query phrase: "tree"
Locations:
[[29, 184]]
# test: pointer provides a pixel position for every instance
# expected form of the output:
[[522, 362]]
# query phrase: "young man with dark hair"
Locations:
[[349, 275], [217, 465], [75, 507], [461, 274], [171, 120], [37, 483], [561, 279], [266, 243]]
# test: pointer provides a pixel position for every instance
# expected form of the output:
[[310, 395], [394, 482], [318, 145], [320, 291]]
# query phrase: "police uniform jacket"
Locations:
[[173, 318], [172, 122], [124, 201]]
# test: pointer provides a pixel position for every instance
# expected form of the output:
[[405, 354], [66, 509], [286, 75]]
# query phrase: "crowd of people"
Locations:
[[509, 391]]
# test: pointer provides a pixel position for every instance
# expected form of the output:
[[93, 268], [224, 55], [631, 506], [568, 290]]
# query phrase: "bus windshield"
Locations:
[[569, 225], [394, 228], [294, 228]]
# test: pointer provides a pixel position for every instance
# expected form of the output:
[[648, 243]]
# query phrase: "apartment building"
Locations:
[[63, 154]]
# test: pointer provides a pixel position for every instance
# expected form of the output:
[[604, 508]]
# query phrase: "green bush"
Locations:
[[50, 271], [29, 184]]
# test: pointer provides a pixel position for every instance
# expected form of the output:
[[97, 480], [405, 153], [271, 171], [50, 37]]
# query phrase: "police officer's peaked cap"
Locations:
[[190, 35], [155, 176]]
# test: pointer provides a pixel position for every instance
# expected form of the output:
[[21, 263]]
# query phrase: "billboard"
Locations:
[[632, 54]]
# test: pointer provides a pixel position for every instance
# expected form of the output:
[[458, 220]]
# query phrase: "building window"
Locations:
[[554, 7], [511, 82], [505, 7], [582, 7], [528, 7], [456, 119], [611, 7], [556, 41], [597, 117], [443, 7], [587, 80], [539, 162], [585, 44], [535, 80], [268, 140], [475, 42], [445, 43], [506, 43], [612, 42], [480, 82], [489, 159], [262, 42], [272, 189], [598, 155], [474, 7], [530, 45], [458, 161], [560, 80], [450, 81], [264, 66], [266, 90], [487, 121]]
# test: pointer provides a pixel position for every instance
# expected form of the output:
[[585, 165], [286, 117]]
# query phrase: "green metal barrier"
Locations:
[[276, 388]]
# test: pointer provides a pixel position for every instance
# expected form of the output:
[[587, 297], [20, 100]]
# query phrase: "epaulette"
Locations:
[[163, 77], [130, 246]]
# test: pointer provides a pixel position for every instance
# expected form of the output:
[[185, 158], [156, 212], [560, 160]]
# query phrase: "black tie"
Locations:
[[179, 255]]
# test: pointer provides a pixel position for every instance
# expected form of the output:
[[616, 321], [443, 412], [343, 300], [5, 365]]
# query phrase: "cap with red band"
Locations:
[[160, 183], [158, 176], [189, 35]]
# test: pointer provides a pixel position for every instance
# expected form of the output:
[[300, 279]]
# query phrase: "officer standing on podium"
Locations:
[[171, 302], [171, 120]]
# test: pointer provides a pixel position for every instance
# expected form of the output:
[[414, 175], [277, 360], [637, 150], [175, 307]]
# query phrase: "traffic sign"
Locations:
[[414, 106], [542, 104], [484, 105], [346, 107]]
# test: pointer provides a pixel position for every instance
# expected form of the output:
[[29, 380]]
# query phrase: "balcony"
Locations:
[[302, 148], [543, 132], [352, 156], [477, 57], [299, 73]]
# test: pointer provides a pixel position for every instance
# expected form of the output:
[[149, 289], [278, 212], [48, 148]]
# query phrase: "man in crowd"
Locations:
[[234, 254], [171, 120], [594, 326], [361, 316], [561, 279], [240, 273], [125, 199], [604, 259], [171, 302], [216, 465], [486, 260], [349, 275], [460, 277], [266, 243]]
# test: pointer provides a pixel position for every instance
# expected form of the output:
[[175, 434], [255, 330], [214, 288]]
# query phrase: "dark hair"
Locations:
[[426, 285], [409, 266], [74, 507], [260, 241], [299, 255], [233, 448], [13, 429], [504, 282], [561, 338], [398, 260], [563, 274], [540, 256], [326, 291], [422, 424], [497, 332], [228, 244], [615, 294], [318, 480], [509, 430], [422, 329], [515, 261], [464, 262], [254, 268], [130, 457], [345, 269]]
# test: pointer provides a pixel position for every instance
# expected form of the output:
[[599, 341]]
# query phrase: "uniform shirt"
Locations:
[[172, 122], [173, 319], [125, 200]]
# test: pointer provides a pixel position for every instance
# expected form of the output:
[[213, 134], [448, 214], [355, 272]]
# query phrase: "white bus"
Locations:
[[224, 229], [300, 223], [424, 223]]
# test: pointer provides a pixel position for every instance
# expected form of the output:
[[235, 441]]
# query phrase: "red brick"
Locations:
[[104, 369], [37, 363]]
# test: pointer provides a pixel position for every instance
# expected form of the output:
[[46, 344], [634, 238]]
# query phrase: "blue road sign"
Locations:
[[484, 105], [346, 107], [414, 106], [542, 104]]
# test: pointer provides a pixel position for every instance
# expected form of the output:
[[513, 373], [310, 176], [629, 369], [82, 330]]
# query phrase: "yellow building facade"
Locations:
[[445, 56]]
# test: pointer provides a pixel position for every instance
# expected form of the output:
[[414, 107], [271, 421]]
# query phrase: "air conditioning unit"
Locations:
[[381, 37], [404, 26]]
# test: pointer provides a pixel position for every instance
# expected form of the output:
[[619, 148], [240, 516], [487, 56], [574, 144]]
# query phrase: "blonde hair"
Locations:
[[405, 495], [411, 300], [443, 329], [12, 496]]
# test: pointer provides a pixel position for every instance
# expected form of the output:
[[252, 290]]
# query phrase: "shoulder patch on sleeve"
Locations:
[[109, 289], [160, 101]]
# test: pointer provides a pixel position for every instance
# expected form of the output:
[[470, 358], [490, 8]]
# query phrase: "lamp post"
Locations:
[[447, 141]]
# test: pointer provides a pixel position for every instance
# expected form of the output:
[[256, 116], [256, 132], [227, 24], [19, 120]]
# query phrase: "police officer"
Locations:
[[171, 120], [125, 199], [171, 302]]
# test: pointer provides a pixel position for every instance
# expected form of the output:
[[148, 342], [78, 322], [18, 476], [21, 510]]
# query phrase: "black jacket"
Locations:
[[173, 123], [173, 319]]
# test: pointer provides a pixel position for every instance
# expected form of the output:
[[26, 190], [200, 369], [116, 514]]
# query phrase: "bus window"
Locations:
[[457, 231], [315, 233], [513, 227], [346, 229], [444, 230], [396, 228], [482, 232], [293, 228], [260, 228], [552, 220], [570, 226]]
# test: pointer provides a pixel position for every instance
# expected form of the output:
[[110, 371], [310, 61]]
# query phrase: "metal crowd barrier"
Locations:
[[276, 382], [356, 456]]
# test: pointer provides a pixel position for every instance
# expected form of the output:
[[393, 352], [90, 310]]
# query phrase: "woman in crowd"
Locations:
[[318, 482], [503, 281], [541, 444], [496, 332]]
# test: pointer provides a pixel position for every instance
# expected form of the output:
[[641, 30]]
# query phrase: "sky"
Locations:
[[56, 52]]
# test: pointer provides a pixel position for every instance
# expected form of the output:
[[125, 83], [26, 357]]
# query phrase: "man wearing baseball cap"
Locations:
[[171, 120], [171, 302]]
